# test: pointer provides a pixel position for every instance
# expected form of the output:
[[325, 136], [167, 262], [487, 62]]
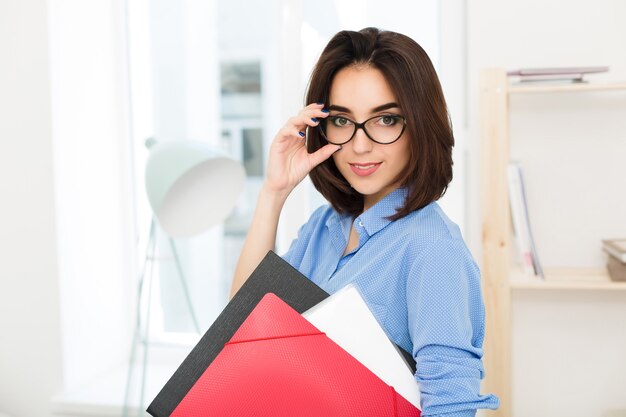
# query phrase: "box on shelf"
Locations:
[[617, 269], [616, 263]]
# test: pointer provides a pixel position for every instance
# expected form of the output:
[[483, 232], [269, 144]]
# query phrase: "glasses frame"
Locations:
[[361, 125]]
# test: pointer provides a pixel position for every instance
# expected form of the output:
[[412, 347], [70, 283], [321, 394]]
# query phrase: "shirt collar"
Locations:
[[375, 218]]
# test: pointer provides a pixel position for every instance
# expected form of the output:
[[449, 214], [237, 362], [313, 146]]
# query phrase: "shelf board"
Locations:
[[567, 279], [563, 88]]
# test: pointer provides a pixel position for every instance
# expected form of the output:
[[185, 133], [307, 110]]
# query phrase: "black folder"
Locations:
[[272, 275]]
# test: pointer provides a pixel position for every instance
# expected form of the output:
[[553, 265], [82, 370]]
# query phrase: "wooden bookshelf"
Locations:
[[566, 279], [563, 88], [499, 278]]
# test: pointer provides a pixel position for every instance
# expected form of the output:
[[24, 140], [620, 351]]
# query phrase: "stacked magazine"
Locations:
[[567, 74], [521, 221], [616, 263]]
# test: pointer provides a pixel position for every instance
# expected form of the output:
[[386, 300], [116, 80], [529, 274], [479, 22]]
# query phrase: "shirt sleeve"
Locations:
[[446, 325], [298, 247]]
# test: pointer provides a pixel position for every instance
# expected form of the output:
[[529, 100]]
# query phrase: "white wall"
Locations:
[[30, 355], [568, 347]]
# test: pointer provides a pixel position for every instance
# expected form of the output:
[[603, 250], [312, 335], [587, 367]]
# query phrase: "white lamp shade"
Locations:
[[190, 186]]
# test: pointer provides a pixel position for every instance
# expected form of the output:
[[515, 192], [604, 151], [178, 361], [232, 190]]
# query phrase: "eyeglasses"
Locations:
[[384, 129]]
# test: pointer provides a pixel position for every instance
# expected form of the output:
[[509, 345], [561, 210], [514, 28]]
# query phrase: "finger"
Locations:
[[323, 154], [315, 106], [309, 117], [301, 122], [290, 132], [315, 110]]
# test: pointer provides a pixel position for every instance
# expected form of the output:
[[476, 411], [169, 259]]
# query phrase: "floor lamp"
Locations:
[[190, 188]]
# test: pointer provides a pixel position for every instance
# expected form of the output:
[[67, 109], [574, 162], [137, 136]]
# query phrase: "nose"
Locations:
[[361, 143]]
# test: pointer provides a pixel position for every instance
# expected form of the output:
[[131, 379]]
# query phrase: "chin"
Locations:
[[366, 189]]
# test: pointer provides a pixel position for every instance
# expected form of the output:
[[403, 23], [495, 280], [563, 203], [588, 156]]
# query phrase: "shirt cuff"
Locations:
[[464, 413]]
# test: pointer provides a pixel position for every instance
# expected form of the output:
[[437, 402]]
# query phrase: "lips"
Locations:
[[365, 169]]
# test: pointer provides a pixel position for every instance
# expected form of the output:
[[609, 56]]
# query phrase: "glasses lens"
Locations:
[[337, 130], [386, 128]]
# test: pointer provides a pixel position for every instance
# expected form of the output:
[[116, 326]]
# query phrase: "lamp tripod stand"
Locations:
[[142, 330]]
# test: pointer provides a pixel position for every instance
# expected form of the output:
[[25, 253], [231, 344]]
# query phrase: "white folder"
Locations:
[[346, 319]]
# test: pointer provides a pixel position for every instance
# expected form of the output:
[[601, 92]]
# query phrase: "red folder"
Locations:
[[278, 364]]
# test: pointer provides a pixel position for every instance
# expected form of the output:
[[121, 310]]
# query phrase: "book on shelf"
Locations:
[[565, 74], [616, 248], [521, 221]]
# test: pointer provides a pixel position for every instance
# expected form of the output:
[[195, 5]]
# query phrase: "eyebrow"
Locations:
[[374, 110]]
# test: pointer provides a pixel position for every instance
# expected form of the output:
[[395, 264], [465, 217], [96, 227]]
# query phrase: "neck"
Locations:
[[370, 200]]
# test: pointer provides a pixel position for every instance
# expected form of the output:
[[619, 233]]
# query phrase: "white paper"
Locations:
[[346, 319]]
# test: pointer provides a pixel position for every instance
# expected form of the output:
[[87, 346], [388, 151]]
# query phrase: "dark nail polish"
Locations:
[[325, 111], [314, 119], [301, 134]]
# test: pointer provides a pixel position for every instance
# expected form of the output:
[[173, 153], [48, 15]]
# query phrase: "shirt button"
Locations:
[[360, 223]]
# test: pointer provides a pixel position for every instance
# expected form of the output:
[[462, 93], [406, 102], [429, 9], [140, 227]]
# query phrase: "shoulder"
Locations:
[[428, 226], [434, 242], [321, 216], [310, 233]]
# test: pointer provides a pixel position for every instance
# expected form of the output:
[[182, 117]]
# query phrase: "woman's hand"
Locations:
[[289, 161]]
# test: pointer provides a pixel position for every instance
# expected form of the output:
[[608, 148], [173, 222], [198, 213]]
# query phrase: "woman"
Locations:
[[377, 144]]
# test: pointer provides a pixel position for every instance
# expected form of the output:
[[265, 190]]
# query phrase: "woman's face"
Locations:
[[357, 93]]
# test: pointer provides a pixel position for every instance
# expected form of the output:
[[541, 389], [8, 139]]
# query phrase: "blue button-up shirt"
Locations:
[[420, 281]]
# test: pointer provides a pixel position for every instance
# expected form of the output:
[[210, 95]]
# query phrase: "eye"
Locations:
[[388, 120], [340, 121]]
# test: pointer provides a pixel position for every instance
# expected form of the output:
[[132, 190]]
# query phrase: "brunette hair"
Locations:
[[410, 74]]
